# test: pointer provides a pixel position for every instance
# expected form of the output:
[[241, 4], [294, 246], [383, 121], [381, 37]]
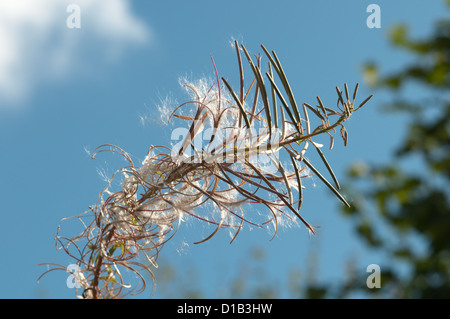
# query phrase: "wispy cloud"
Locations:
[[36, 46]]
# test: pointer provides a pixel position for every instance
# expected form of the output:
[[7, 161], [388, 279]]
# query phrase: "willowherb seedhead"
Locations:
[[228, 157]]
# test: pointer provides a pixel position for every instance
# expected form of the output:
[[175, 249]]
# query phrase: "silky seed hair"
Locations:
[[253, 128]]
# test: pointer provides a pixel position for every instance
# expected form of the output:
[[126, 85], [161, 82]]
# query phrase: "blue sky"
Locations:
[[66, 90]]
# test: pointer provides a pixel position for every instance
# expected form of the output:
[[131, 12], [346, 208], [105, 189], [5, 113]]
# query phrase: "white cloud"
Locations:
[[37, 46]]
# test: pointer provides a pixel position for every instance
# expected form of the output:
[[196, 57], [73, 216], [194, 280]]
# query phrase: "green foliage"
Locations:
[[413, 205]]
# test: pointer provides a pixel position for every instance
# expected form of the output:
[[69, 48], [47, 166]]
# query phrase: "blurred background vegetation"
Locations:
[[395, 204]]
